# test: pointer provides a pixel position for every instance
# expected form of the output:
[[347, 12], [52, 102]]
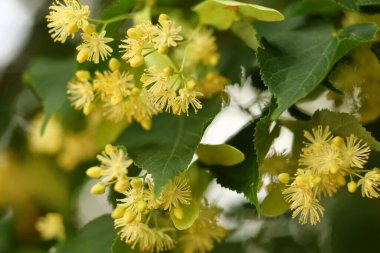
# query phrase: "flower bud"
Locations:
[[121, 185], [337, 141], [95, 172], [90, 28], [88, 108], [118, 212], [141, 205], [352, 186], [114, 64], [129, 217], [283, 178], [146, 124], [98, 188], [334, 169], [83, 74], [73, 28], [341, 180], [162, 50], [134, 33], [109, 149], [136, 61], [168, 71], [191, 84], [82, 56], [163, 18]]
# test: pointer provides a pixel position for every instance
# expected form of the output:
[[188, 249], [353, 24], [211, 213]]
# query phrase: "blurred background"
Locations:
[[36, 178]]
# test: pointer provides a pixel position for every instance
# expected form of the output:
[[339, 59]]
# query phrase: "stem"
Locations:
[[148, 219], [111, 20]]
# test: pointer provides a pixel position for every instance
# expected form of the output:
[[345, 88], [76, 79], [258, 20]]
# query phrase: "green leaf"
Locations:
[[245, 31], [242, 177], [191, 213], [360, 5], [96, 237], [222, 14], [344, 124], [264, 136], [222, 154], [168, 148], [314, 7], [6, 231], [199, 179], [274, 203], [159, 60], [296, 58], [48, 78]]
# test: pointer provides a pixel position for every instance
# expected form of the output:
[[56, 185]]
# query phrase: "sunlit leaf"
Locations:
[[222, 154], [222, 14], [274, 203], [190, 214]]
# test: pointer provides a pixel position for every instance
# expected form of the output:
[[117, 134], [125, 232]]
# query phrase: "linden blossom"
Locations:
[[325, 162], [65, 19]]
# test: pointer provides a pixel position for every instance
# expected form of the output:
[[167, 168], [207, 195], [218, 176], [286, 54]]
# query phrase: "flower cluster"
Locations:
[[113, 169], [67, 18], [143, 218], [51, 227], [171, 80], [134, 212], [146, 38], [325, 162], [117, 93]]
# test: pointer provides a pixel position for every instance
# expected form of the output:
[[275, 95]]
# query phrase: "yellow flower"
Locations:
[[136, 233], [176, 192], [212, 84], [166, 33], [115, 162], [149, 196], [51, 227], [318, 138], [355, 153], [329, 184], [134, 203], [162, 240], [321, 159], [370, 184], [166, 98], [115, 113], [78, 147], [155, 78], [113, 86], [94, 47], [202, 235], [187, 97], [302, 198], [80, 93], [64, 19], [141, 106], [202, 48], [132, 48], [50, 142]]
